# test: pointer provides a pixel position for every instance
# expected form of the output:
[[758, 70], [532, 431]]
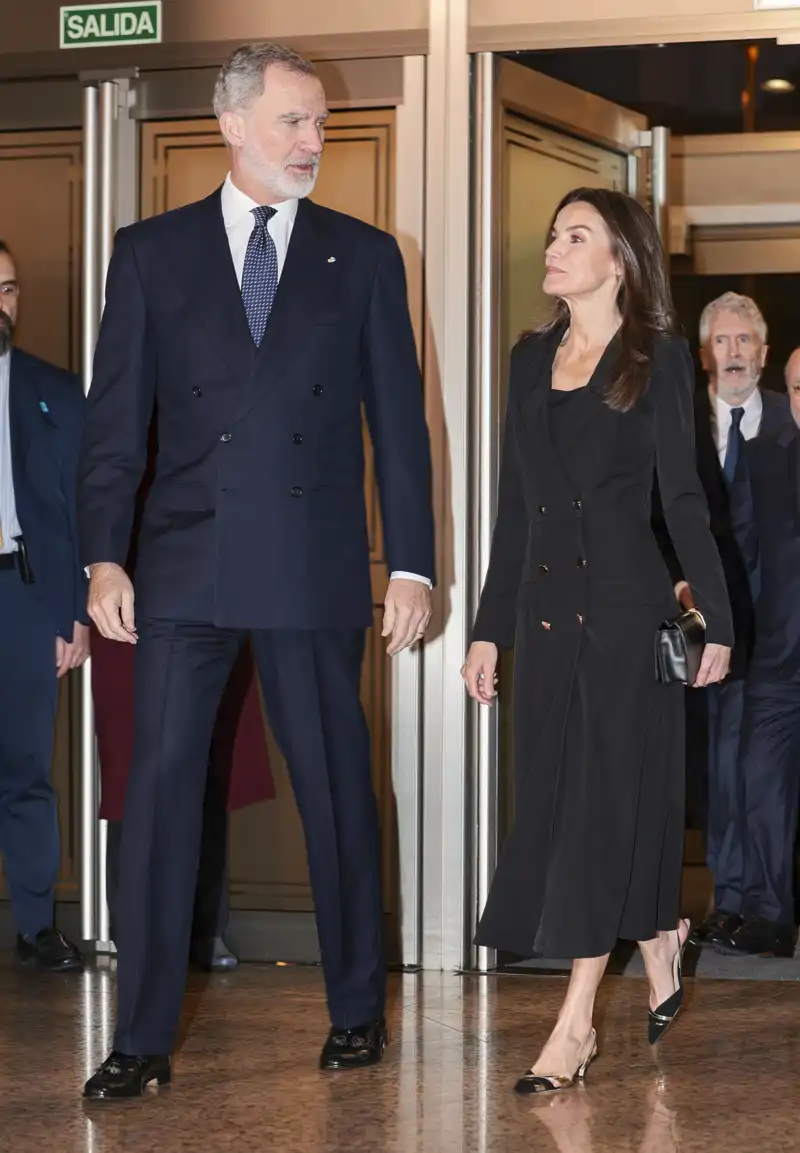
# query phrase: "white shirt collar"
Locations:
[[237, 206], [753, 406]]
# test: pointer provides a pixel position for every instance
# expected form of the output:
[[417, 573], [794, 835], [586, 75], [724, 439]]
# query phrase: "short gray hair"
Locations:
[[741, 306], [241, 78]]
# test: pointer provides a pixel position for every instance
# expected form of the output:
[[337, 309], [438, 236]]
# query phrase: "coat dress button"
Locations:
[[197, 391], [297, 438], [297, 491], [543, 569], [543, 510], [226, 436], [318, 390], [582, 562], [577, 505]]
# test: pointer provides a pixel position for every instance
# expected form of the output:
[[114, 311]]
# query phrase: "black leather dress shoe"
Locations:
[[355, 1048], [213, 955], [50, 950], [758, 937], [716, 926], [121, 1075]]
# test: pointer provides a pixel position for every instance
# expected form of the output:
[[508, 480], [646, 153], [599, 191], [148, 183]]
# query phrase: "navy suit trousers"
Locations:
[[310, 681], [28, 698], [770, 768], [724, 838]]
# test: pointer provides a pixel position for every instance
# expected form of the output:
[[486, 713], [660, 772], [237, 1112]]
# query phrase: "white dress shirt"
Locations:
[[721, 419], [237, 210], [9, 525]]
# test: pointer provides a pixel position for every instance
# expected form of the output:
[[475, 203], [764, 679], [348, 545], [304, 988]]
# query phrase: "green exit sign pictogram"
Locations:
[[99, 25]]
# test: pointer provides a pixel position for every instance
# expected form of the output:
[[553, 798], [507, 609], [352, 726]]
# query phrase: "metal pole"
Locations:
[[107, 172], [484, 455], [446, 835], [108, 116], [660, 179], [91, 307]]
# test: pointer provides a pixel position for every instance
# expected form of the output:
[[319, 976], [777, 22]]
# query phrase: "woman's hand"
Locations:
[[479, 672], [714, 665]]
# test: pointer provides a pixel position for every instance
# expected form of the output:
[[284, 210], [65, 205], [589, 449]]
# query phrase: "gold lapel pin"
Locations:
[[331, 260]]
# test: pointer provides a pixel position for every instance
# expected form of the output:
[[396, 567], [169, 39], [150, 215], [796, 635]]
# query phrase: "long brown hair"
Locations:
[[644, 299]]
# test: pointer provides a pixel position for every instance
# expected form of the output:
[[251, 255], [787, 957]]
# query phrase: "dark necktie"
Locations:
[[733, 452], [260, 275]]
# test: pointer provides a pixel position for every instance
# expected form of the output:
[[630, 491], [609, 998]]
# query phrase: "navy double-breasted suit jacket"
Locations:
[[256, 517]]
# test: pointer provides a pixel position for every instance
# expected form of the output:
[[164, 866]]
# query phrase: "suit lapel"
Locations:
[[21, 415], [309, 286], [215, 288], [774, 414], [708, 463]]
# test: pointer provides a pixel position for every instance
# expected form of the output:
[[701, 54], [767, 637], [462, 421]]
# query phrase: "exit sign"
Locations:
[[99, 25]]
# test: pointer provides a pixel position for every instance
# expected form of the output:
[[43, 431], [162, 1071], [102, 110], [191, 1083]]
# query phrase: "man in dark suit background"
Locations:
[[258, 323], [732, 410], [43, 623], [770, 753]]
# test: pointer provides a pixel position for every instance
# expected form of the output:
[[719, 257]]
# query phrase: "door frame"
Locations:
[[121, 101]]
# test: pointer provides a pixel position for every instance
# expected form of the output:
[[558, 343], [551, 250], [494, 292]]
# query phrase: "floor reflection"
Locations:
[[246, 1077], [573, 1119]]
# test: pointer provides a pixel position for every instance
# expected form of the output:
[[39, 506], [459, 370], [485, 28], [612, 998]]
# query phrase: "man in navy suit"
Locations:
[[259, 324], [770, 755], [43, 624], [729, 412]]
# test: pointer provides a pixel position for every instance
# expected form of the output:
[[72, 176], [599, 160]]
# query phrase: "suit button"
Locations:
[[297, 438], [543, 509], [297, 491], [197, 391], [318, 390], [577, 505], [582, 562], [226, 436], [543, 569]]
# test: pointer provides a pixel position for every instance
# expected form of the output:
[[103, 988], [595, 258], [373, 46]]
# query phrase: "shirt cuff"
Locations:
[[411, 576]]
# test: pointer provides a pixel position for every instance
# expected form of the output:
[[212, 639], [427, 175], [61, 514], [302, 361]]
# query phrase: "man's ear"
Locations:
[[232, 127]]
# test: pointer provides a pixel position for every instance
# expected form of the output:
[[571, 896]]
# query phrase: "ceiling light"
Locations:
[[778, 84]]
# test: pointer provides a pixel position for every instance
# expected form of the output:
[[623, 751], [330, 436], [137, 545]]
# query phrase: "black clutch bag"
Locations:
[[679, 648]]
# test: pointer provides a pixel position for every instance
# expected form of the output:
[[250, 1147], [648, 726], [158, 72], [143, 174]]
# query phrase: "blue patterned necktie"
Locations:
[[260, 275], [733, 450]]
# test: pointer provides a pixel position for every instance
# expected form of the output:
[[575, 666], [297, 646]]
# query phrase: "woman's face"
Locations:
[[579, 261]]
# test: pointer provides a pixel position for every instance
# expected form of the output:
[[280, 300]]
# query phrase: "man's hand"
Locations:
[[683, 595], [407, 613], [111, 602], [73, 655]]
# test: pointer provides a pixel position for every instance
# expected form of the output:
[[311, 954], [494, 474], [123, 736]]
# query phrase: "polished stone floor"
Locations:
[[246, 1078]]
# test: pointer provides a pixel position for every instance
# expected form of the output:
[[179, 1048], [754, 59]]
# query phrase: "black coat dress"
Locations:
[[578, 586]]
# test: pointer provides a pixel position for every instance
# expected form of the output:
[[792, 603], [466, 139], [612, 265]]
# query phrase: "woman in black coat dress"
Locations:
[[599, 401]]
